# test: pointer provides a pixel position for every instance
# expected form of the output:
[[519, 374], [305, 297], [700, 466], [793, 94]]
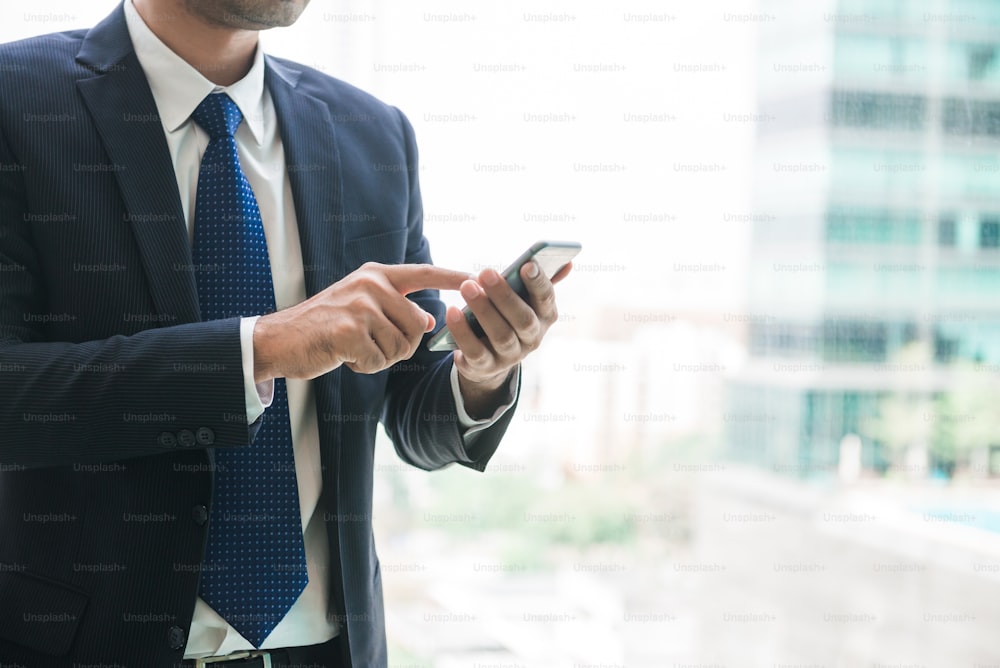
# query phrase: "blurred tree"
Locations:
[[904, 418], [968, 417], [945, 427], [902, 426]]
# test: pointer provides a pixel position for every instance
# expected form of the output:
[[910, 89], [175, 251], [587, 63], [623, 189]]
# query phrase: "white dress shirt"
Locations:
[[177, 90]]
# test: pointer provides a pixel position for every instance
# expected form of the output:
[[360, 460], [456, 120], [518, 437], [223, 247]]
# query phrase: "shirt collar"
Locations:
[[178, 88]]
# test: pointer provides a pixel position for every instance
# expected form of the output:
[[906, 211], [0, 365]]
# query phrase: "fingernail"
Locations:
[[532, 270], [470, 290], [491, 277]]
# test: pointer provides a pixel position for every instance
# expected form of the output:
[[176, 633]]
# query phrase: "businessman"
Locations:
[[213, 285]]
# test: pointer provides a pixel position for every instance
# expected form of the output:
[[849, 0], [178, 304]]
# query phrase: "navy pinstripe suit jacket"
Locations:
[[113, 393]]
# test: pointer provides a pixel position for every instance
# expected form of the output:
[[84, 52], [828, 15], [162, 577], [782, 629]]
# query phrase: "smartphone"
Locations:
[[551, 256]]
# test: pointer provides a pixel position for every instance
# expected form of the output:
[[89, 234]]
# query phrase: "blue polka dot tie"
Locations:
[[255, 565]]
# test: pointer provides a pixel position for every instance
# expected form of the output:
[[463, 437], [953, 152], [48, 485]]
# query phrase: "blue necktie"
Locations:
[[255, 565]]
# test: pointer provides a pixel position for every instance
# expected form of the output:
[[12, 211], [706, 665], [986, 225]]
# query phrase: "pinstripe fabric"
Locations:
[[113, 395]]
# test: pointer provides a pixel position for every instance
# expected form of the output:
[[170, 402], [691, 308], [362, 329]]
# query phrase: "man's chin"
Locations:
[[250, 14]]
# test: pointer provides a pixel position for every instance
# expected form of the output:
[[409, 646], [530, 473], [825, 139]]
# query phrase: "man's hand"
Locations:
[[513, 327], [363, 321]]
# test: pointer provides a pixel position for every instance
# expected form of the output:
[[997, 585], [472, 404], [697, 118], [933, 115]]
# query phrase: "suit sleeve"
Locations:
[[420, 414], [64, 403]]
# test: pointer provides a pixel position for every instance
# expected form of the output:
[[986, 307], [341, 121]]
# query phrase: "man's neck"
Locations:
[[222, 54]]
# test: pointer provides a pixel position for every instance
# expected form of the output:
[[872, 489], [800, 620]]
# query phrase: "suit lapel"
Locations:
[[313, 163], [124, 112]]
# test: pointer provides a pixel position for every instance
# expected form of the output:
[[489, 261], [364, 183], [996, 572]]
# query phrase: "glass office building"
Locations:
[[874, 293]]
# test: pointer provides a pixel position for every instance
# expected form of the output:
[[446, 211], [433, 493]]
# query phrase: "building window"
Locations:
[[989, 233], [946, 232], [877, 110], [982, 58], [782, 339], [945, 347], [872, 226], [854, 341], [971, 117]]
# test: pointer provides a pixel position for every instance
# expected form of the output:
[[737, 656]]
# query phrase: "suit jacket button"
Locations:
[[205, 436], [186, 438], [199, 514], [176, 637], [167, 439]]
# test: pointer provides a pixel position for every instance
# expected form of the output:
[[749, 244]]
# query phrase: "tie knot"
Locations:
[[218, 115]]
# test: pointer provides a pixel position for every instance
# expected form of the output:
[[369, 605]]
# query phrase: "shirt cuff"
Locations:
[[257, 396], [468, 424]]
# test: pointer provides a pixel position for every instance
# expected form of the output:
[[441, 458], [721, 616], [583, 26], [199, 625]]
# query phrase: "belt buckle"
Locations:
[[207, 661]]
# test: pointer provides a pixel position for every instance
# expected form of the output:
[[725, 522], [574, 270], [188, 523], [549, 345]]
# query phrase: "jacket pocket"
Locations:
[[39, 614], [384, 247]]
